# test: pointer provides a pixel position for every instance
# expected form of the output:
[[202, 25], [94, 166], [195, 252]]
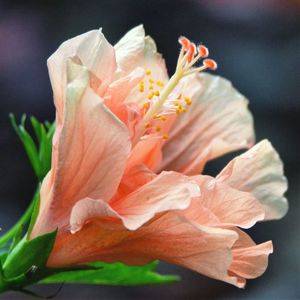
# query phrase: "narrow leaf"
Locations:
[[113, 274], [28, 143], [35, 212], [31, 150], [17, 238], [36, 125]]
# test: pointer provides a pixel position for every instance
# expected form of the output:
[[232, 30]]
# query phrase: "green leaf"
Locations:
[[4, 249], [113, 274], [48, 124], [3, 253], [35, 211], [17, 237], [28, 254], [45, 151], [36, 125], [28, 143], [39, 148]]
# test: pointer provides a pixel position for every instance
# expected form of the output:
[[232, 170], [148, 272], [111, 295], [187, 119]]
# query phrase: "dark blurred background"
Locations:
[[257, 46]]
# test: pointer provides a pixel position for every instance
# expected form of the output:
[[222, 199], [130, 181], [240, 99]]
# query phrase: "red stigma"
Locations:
[[185, 43], [191, 52], [210, 64], [203, 51]]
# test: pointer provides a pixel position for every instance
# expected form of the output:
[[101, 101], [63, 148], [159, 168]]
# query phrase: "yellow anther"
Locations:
[[178, 111], [179, 97], [141, 89], [160, 83], [156, 93], [147, 125], [151, 80], [187, 100], [151, 87], [146, 105], [184, 109], [165, 136], [148, 72], [155, 116], [176, 103], [150, 96], [157, 128], [163, 118], [142, 82]]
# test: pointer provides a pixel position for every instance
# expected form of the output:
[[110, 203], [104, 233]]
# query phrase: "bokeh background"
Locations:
[[257, 46]]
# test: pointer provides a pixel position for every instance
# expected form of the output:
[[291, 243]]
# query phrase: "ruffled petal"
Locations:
[[133, 178], [90, 49], [169, 238], [249, 260], [88, 209], [259, 171], [90, 150], [175, 240], [118, 90], [128, 112], [147, 152], [168, 191], [217, 122], [88, 244], [137, 50], [221, 205]]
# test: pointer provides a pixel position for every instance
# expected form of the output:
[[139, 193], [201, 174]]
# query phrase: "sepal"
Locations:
[[28, 255]]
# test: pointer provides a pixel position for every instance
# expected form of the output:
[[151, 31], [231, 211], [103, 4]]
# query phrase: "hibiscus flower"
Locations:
[[128, 152]]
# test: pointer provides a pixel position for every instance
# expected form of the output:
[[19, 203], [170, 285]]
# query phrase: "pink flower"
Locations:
[[128, 149]]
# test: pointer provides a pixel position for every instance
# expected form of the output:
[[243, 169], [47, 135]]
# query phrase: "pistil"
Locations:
[[156, 103]]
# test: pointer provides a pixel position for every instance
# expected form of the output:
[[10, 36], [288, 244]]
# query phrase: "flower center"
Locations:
[[158, 106]]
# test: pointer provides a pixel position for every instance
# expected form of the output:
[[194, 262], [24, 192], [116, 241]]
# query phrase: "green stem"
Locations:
[[23, 221]]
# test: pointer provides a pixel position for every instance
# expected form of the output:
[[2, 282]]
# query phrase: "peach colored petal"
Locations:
[[168, 191], [137, 50], [249, 260], [221, 205], [172, 239], [132, 179], [175, 240], [121, 88], [147, 152], [116, 94], [259, 171], [87, 209], [90, 49], [214, 252], [90, 153], [169, 238], [217, 122], [130, 115], [87, 244]]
